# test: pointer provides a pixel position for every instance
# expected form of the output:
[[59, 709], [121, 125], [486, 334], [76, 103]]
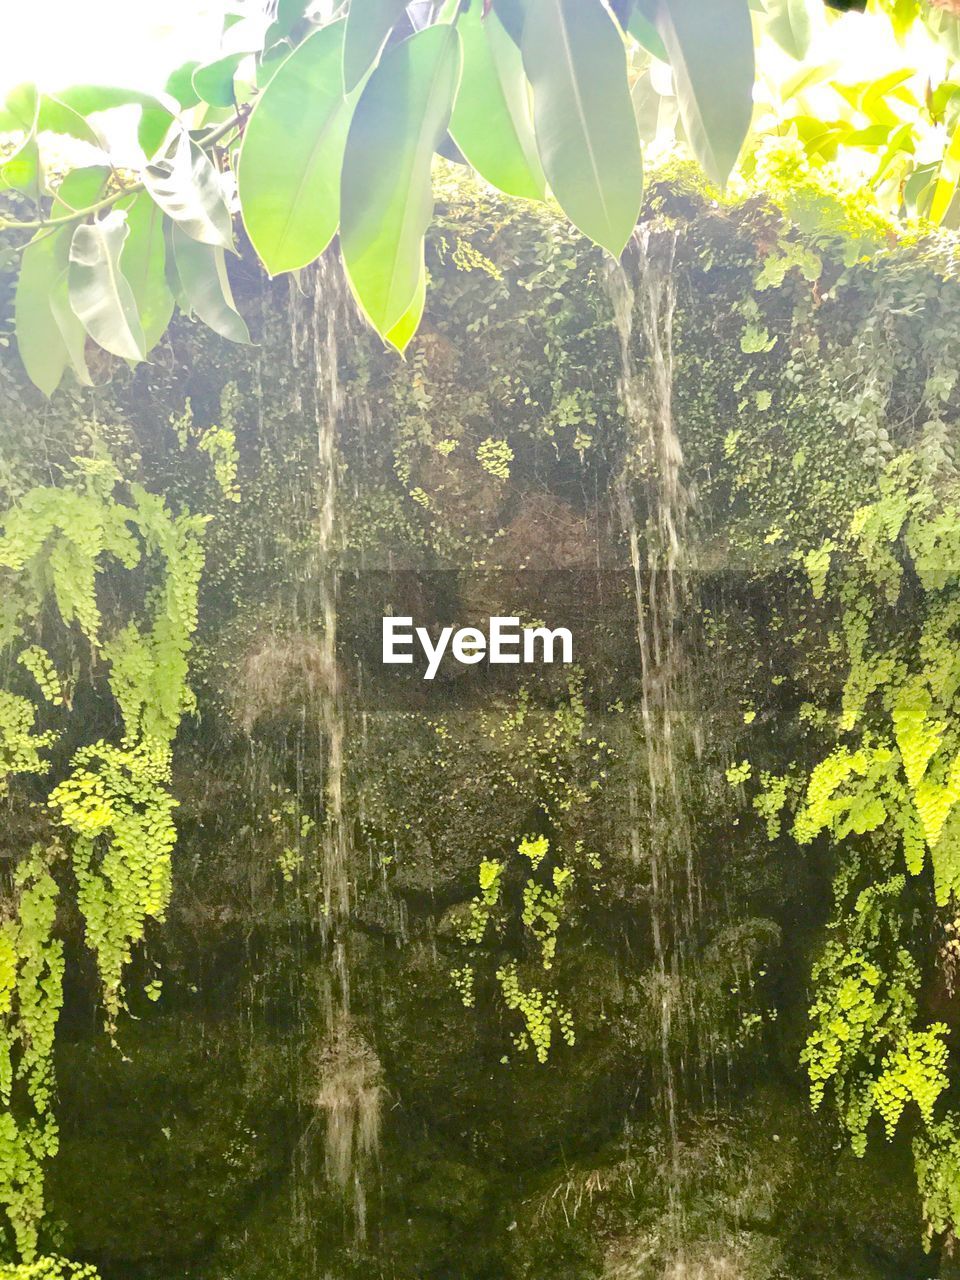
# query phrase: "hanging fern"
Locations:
[[112, 809], [887, 793]]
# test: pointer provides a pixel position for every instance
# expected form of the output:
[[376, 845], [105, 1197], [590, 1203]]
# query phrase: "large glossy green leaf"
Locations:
[[369, 22], [205, 287], [292, 154], [44, 352], [642, 25], [585, 123], [408, 324], [948, 180], [187, 188], [99, 292], [790, 24], [143, 262], [22, 169], [213, 82], [944, 26], [155, 119], [491, 121], [43, 355], [71, 331], [711, 52], [180, 84], [19, 111], [386, 194], [289, 15], [56, 117]]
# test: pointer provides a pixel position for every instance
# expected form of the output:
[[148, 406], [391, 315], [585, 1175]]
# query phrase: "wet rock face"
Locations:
[[312, 1095]]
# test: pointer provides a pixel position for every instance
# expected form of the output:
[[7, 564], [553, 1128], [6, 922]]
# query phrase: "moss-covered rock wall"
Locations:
[[550, 1023]]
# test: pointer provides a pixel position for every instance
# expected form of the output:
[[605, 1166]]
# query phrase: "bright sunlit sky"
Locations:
[[134, 43]]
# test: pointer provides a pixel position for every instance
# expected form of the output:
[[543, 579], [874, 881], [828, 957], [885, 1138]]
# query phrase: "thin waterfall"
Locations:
[[347, 1088], [654, 504]]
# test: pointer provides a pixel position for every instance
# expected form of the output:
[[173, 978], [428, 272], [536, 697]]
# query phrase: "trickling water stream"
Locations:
[[643, 292], [348, 1084]]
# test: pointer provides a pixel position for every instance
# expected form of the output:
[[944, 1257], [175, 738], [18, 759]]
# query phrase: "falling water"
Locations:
[[348, 1086], [643, 293]]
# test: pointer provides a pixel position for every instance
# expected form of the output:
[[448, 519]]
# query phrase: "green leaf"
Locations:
[[369, 23], [585, 123], [292, 153], [386, 194], [271, 62], [143, 262], [187, 188], [23, 169], [944, 26], [72, 333], [19, 111], [180, 85], [642, 26], [289, 16], [99, 292], [44, 357], [44, 353], [408, 324], [491, 121], [902, 17], [56, 117], [789, 23], [901, 142], [948, 180], [711, 52], [155, 117], [204, 285], [213, 82]]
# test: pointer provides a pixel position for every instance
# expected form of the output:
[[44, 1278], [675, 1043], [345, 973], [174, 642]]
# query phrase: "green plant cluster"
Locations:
[[886, 793], [112, 807], [543, 904], [31, 996]]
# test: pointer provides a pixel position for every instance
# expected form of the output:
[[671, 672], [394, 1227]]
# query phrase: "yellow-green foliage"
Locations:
[[38, 662], [49, 1268], [55, 538], [900, 695], [770, 800], [495, 457], [887, 792], [117, 805], [20, 746], [218, 442], [113, 804], [31, 995], [864, 1044], [538, 1009], [912, 1071], [542, 907], [936, 1159]]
